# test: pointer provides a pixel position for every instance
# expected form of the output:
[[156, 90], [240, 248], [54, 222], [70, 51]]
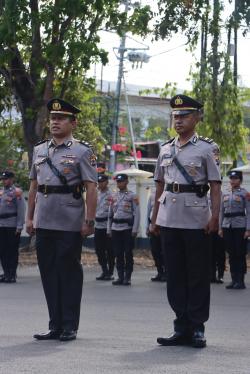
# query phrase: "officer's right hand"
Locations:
[[154, 229], [29, 227]]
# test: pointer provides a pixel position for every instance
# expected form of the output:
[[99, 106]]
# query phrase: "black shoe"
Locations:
[[163, 278], [127, 282], [177, 338], [230, 286], [118, 282], [213, 280], [101, 277], [156, 278], [239, 286], [68, 335], [51, 334], [2, 278], [219, 281], [10, 280], [109, 277], [198, 340]]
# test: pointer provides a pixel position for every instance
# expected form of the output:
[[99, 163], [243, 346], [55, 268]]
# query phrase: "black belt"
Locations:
[[99, 219], [235, 214], [199, 189], [123, 220], [8, 215], [76, 189]]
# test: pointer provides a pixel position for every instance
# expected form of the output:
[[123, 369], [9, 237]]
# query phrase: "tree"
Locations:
[[46, 47]]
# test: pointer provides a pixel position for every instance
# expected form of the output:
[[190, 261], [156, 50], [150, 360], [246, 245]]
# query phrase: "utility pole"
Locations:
[[121, 53]]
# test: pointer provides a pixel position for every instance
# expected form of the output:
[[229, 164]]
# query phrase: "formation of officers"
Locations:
[[181, 222]]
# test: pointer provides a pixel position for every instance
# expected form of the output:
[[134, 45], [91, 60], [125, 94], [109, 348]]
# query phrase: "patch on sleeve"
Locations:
[[216, 153]]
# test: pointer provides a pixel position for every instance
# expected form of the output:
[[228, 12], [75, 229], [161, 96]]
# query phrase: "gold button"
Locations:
[[174, 200], [196, 202]]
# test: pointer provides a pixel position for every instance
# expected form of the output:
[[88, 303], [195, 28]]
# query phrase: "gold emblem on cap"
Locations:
[[56, 105], [178, 101]]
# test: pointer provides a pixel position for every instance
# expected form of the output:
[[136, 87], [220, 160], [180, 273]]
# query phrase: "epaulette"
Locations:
[[41, 142], [85, 143], [168, 141], [207, 140]]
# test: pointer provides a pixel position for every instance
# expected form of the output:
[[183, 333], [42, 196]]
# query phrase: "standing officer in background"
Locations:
[[12, 213], [61, 166], [235, 229], [185, 166], [155, 243], [123, 225], [103, 243]]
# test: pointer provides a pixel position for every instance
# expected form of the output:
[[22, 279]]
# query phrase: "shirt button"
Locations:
[[48, 178], [174, 200], [196, 202]]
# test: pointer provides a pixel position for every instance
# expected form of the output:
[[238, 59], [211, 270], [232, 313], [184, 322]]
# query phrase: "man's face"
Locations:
[[7, 182], [103, 185], [61, 125], [122, 185], [235, 182], [185, 124]]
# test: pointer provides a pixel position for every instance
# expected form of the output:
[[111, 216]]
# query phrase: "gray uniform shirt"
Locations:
[[234, 202], [76, 162], [102, 209], [124, 205], [201, 160], [12, 201]]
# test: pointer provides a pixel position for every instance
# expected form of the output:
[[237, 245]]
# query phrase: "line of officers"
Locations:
[[117, 224]]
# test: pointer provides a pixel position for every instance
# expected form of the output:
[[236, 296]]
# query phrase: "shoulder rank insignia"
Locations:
[[168, 141], [85, 143], [41, 142], [204, 139]]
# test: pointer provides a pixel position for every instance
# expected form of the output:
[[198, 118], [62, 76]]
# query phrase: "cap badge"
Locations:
[[178, 101], [56, 105]]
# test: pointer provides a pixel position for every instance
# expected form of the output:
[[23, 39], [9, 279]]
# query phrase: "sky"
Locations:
[[170, 61]]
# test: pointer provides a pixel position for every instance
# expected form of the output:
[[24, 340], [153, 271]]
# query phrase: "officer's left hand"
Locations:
[[246, 234], [212, 226], [87, 230]]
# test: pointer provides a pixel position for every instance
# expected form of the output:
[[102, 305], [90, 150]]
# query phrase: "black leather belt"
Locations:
[[123, 220], [56, 189], [199, 189], [235, 214], [99, 219], [8, 215]]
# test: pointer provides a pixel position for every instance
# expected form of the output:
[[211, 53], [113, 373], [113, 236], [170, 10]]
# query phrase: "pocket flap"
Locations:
[[194, 201]]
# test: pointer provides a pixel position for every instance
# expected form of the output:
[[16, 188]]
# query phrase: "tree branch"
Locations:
[[36, 56]]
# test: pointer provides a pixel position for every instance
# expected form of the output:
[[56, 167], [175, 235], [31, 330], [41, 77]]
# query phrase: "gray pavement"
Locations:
[[118, 330]]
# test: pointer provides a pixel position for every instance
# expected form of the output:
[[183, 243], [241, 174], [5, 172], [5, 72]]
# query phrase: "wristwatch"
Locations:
[[90, 222]]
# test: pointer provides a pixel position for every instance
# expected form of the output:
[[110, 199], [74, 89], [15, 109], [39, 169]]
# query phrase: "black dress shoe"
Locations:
[[219, 281], [51, 334], [10, 280], [2, 278], [101, 277], [198, 340], [68, 335], [156, 278], [118, 282], [127, 282], [109, 277], [176, 338]]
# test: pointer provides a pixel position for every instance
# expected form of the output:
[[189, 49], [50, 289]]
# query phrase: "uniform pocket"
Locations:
[[67, 200], [195, 201]]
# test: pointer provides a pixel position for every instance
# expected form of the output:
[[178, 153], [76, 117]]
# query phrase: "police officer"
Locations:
[[103, 243], [155, 243], [60, 167], [185, 166], [12, 212], [235, 229], [123, 225]]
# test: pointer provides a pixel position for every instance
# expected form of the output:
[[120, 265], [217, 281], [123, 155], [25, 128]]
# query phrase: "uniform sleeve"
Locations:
[[88, 166], [213, 163], [20, 211], [136, 213], [159, 170], [247, 204], [33, 174], [149, 208], [110, 216], [221, 215]]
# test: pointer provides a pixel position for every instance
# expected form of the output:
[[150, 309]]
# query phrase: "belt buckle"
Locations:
[[176, 187], [45, 194]]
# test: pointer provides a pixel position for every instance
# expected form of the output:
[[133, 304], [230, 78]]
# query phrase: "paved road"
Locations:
[[118, 331]]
